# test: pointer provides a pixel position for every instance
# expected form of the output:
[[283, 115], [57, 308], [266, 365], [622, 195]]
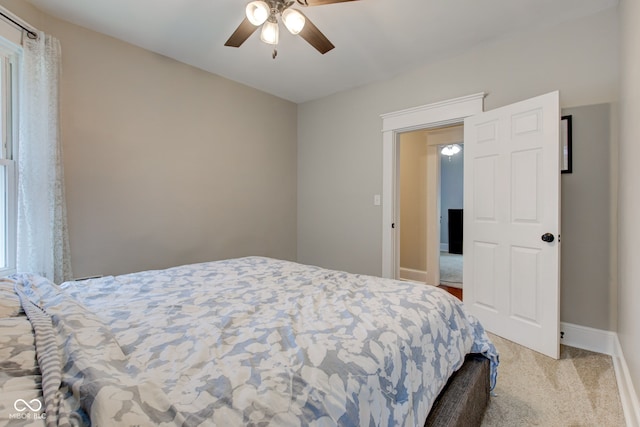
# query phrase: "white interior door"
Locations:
[[511, 206]]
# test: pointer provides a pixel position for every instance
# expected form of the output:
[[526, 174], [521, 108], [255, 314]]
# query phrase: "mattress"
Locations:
[[248, 341]]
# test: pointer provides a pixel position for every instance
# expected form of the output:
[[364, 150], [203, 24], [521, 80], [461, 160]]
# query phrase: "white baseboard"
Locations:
[[607, 342], [413, 275], [628, 395], [587, 338]]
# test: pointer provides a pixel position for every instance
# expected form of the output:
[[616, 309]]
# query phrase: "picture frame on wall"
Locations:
[[566, 160]]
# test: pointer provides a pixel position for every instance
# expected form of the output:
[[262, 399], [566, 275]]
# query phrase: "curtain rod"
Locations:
[[30, 33]]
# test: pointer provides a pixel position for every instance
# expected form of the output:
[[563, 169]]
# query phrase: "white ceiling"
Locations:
[[374, 39]]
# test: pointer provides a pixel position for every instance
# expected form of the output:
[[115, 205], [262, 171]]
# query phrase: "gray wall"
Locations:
[[629, 194], [340, 143], [587, 288], [166, 164]]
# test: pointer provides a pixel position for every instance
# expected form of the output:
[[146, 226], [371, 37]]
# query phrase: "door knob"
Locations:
[[547, 237]]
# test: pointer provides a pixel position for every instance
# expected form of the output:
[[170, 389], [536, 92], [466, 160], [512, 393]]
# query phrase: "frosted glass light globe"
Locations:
[[270, 32], [257, 12], [293, 20]]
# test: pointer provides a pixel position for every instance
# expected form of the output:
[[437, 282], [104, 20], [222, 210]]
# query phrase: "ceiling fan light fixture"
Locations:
[[257, 12], [450, 150], [266, 13], [270, 32], [293, 20]]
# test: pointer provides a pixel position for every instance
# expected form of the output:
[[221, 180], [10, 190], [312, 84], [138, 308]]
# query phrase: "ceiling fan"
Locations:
[[266, 12]]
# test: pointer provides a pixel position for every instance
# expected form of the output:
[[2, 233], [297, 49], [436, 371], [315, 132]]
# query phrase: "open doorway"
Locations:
[[394, 124], [429, 186]]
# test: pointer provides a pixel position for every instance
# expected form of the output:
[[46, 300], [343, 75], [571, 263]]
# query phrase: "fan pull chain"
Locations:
[[275, 53]]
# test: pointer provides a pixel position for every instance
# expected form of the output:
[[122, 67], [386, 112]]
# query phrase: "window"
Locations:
[[8, 168]]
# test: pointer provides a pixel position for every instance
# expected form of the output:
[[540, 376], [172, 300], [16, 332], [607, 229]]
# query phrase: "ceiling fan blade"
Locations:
[[242, 33], [315, 38], [320, 2]]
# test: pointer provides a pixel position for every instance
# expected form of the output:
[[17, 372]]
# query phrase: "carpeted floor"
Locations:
[[580, 389], [450, 268]]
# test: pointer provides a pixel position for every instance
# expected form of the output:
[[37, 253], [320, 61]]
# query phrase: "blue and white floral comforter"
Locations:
[[249, 341]]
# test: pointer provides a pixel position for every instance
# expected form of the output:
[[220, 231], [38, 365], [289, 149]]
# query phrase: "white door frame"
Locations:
[[452, 111]]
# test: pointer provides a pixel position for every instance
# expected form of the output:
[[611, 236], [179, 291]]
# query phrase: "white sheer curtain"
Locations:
[[43, 244]]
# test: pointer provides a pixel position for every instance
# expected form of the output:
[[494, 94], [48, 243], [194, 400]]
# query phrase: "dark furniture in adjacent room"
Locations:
[[455, 231]]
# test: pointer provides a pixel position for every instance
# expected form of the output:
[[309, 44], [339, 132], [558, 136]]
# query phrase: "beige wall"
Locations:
[[413, 201], [629, 192], [166, 164], [340, 143]]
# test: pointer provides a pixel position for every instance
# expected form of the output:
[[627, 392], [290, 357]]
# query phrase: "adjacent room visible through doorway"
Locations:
[[430, 205], [451, 214]]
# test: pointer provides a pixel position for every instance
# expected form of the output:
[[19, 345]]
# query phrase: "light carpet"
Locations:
[[450, 268], [580, 389]]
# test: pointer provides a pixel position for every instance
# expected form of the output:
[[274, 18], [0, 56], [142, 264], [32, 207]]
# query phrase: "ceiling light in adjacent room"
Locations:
[[450, 150]]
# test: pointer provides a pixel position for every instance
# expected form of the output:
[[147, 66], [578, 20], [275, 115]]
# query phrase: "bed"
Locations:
[[247, 341]]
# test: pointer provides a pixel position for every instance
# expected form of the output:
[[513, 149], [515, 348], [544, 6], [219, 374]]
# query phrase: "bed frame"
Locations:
[[465, 397]]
